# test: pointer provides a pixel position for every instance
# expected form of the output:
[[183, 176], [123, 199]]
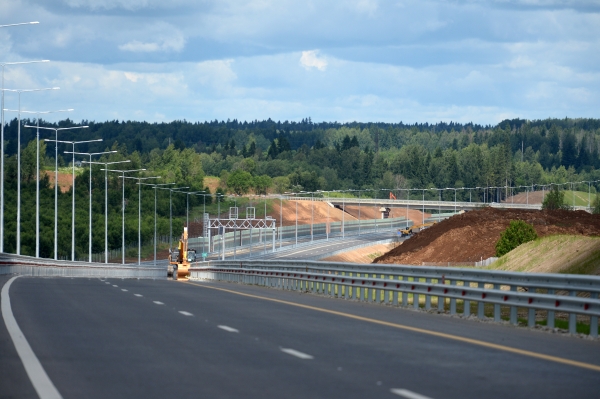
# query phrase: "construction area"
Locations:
[[472, 236]]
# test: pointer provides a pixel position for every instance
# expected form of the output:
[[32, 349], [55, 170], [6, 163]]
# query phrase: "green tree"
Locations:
[[239, 181], [517, 233], [596, 205], [555, 199], [261, 184]]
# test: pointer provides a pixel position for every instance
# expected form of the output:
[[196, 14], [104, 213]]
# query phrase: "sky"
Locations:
[[353, 60]]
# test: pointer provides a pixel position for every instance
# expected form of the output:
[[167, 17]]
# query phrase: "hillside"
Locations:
[[554, 254], [472, 236]]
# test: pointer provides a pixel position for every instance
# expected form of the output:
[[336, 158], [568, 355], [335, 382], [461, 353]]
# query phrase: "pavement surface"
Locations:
[[162, 338]]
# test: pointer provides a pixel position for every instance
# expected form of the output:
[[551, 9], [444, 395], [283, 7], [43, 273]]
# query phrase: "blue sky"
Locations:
[[354, 60]]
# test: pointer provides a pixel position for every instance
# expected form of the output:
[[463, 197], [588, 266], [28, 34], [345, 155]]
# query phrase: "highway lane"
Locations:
[[146, 338], [325, 247]]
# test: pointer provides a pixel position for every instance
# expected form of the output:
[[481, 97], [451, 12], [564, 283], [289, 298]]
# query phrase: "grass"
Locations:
[[581, 198]]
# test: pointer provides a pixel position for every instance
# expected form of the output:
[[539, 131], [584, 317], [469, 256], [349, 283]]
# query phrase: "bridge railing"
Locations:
[[40, 267], [541, 295]]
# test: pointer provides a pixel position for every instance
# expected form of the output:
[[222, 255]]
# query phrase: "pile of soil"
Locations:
[[472, 236]]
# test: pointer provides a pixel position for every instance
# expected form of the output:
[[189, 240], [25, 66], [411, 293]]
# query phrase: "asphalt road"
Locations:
[[163, 338]]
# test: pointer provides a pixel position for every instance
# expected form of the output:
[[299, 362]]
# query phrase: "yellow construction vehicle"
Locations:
[[181, 258], [419, 227]]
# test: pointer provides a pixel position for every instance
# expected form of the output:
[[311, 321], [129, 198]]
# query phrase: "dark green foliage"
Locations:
[[596, 205], [555, 199], [517, 233]]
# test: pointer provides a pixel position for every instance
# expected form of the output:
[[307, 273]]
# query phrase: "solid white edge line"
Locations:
[[229, 329], [36, 373], [296, 353], [408, 394]]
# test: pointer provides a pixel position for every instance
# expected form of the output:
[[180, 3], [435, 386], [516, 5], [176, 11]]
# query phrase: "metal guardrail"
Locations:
[[40, 267], [385, 283]]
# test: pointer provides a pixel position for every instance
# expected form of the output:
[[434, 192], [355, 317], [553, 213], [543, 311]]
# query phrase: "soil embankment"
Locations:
[[471, 236]]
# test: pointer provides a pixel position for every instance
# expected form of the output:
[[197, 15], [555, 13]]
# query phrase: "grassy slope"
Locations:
[[554, 254]]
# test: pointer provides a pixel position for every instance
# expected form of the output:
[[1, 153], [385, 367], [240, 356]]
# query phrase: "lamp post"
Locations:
[[123, 208], [90, 210], [139, 179], [171, 213], [2, 142], [37, 174], [106, 202], [19, 91], [73, 191], [55, 141], [155, 187]]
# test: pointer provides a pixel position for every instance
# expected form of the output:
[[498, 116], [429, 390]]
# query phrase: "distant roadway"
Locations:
[[172, 339]]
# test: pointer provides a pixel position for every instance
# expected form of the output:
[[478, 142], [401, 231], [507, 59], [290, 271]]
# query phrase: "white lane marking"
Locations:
[[138, 294], [183, 312], [230, 329], [158, 303], [36, 373], [115, 285], [405, 393], [123, 289], [296, 353], [106, 282]]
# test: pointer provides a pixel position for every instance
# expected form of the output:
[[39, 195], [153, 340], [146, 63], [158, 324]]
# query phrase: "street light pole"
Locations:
[[37, 174], [106, 202], [90, 188], [2, 143], [73, 191], [139, 179], [155, 187], [55, 141], [19, 91], [123, 208]]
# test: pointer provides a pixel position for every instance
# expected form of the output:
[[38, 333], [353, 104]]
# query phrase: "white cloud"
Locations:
[[173, 42], [310, 59]]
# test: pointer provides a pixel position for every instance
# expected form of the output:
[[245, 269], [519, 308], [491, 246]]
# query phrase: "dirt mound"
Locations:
[[471, 236]]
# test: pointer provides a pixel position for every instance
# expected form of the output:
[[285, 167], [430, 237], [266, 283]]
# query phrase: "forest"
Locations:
[[262, 157]]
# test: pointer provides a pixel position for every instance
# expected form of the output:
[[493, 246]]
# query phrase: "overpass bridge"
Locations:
[[420, 204]]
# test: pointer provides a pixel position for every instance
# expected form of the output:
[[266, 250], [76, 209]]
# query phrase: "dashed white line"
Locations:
[[405, 393], [138, 294], [36, 373], [115, 285], [123, 289], [106, 282], [183, 312], [296, 353], [158, 302], [230, 329]]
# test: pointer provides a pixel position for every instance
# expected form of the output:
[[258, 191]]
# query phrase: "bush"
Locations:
[[596, 205], [555, 199], [517, 233]]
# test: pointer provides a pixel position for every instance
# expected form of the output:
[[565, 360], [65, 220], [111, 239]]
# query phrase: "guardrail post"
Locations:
[[481, 304], [572, 317], [466, 302], [405, 294], [452, 300], [594, 319], [415, 297], [427, 296], [441, 301], [513, 309], [497, 314], [395, 294], [531, 313]]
